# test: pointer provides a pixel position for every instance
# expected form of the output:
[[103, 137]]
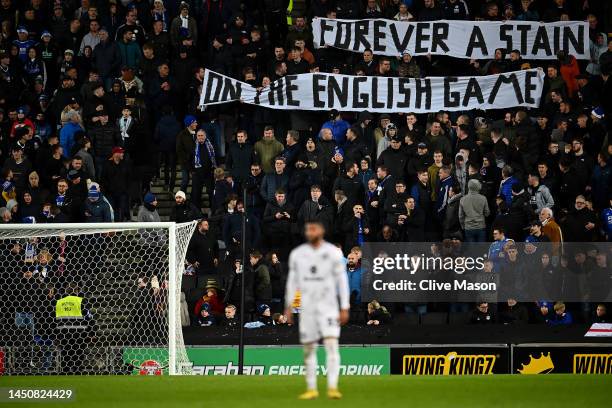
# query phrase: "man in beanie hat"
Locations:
[[148, 210], [97, 207], [205, 317], [265, 315], [184, 211], [23, 43], [184, 29], [185, 145]]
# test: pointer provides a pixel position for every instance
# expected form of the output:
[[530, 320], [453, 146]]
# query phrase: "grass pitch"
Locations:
[[516, 391]]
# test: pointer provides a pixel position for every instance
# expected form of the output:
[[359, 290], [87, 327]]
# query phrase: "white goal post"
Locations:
[[128, 278]]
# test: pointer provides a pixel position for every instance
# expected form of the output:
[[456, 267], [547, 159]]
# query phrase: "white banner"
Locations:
[[324, 91], [460, 39]]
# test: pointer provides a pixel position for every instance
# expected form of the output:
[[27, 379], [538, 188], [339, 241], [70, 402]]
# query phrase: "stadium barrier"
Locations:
[[574, 358], [450, 359], [409, 359], [270, 360]]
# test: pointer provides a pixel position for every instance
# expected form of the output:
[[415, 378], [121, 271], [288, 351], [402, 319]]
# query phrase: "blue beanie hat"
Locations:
[[7, 186], [189, 119], [262, 308], [598, 112], [149, 198], [93, 192]]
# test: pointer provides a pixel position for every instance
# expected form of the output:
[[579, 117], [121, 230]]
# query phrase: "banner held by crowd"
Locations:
[[324, 91], [460, 39]]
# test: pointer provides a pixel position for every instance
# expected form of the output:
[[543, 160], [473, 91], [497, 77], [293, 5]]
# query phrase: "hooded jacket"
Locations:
[[473, 208], [540, 197]]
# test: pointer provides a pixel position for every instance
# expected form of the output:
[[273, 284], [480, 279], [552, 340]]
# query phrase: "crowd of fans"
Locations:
[[98, 99]]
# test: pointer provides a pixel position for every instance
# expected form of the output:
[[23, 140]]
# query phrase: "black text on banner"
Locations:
[[324, 91], [460, 39]]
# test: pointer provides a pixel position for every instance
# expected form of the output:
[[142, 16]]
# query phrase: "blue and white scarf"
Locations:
[[211, 154]]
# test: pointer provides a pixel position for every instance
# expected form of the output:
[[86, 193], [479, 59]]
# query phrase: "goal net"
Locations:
[[81, 298]]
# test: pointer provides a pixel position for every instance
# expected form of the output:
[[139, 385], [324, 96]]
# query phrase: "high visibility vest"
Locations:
[[289, 10], [69, 307]]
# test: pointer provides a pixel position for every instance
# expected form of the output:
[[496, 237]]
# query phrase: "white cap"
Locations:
[[180, 194]]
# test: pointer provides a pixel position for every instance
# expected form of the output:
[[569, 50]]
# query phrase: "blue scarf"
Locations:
[[360, 237], [211, 154], [59, 200]]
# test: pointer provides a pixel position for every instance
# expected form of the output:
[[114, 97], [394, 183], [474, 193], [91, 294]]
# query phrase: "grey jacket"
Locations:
[[473, 208], [540, 197]]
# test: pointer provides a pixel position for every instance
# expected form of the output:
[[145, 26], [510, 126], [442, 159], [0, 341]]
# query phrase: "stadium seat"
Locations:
[[357, 316], [434, 318], [406, 319], [457, 318]]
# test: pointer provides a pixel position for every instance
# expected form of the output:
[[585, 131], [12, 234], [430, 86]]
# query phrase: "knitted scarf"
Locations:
[[211, 154]]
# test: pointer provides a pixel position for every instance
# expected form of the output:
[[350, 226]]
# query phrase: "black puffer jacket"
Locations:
[[116, 177], [239, 160], [103, 139], [280, 226]]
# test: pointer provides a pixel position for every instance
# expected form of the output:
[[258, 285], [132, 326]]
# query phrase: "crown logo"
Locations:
[[541, 365]]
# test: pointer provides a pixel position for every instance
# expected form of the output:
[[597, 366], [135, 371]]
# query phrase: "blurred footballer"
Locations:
[[317, 270]]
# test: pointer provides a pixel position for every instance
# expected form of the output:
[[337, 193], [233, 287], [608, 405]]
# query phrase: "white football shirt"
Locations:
[[320, 276]]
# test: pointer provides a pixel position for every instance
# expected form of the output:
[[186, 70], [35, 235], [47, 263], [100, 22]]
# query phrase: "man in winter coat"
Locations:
[[317, 208], [106, 58], [97, 207], [232, 228], [184, 211], [539, 195], [147, 212], [203, 163], [473, 210], [267, 149], [581, 223], [104, 135], [239, 158], [350, 183], [116, 179], [354, 272], [451, 224], [279, 216], [274, 181], [203, 250], [394, 158], [519, 213], [129, 51], [262, 289], [185, 145]]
